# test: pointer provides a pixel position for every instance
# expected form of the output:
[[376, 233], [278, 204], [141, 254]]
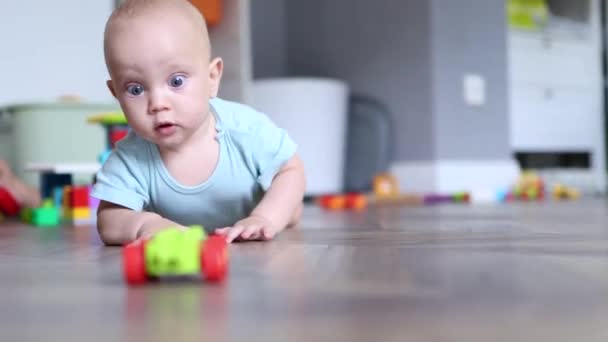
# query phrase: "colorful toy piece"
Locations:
[[76, 204], [116, 127], [459, 197], [529, 187], [174, 253], [111, 118], [332, 202], [354, 201], [46, 216], [8, 203], [385, 185], [561, 192]]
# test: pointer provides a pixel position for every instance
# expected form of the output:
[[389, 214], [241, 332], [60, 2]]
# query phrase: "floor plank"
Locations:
[[522, 272]]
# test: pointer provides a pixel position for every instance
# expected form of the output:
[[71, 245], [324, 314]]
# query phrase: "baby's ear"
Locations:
[[111, 87], [216, 68]]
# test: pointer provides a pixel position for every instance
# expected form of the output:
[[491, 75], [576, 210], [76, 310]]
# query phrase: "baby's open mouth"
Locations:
[[164, 125], [166, 128]]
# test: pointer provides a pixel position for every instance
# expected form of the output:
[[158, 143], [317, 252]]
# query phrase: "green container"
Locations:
[[55, 133]]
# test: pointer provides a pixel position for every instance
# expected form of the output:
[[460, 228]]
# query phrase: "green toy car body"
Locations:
[[173, 252]]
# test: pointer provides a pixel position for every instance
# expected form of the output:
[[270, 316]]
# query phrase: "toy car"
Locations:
[[175, 253]]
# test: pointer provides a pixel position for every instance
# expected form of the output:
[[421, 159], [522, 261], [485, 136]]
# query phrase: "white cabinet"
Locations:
[[556, 91], [549, 61], [553, 119]]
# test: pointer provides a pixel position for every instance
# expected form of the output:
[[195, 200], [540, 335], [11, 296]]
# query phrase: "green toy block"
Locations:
[[45, 217]]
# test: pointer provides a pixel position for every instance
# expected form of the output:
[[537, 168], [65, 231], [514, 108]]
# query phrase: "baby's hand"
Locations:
[[147, 232], [250, 228], [6, 173]]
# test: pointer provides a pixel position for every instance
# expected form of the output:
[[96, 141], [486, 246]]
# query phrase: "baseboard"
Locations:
[[483, 179]]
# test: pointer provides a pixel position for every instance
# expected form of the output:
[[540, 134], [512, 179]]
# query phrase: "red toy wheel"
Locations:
[[8, 204], [134, 263], [214, 258]]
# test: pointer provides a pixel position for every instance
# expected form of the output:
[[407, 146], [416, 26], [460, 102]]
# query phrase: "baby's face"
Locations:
[[162, 78]]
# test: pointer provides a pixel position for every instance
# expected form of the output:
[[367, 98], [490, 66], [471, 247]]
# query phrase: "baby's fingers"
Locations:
[[252, 232], [222, 231], [268, 233], [234, 232]]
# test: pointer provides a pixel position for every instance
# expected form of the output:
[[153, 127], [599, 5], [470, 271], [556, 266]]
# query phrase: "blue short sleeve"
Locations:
[[272, 148], [121, 179]]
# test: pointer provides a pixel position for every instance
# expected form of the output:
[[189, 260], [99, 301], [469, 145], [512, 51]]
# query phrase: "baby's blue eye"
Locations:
[[177, 81], [135, 89]]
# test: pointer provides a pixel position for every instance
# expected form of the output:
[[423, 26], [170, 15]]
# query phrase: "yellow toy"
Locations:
[[561, 192]]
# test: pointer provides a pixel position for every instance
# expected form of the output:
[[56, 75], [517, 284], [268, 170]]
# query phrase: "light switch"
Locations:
[[474, 90]]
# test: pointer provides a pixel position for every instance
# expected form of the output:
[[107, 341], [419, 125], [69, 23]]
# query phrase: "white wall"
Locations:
[[52, 48]]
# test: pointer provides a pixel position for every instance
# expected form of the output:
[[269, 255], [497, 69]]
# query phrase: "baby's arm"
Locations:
[[24, 194], [284, 197], [118, 225], [281, 206]]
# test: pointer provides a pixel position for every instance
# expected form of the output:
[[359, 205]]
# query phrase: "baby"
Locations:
[[191, 157]]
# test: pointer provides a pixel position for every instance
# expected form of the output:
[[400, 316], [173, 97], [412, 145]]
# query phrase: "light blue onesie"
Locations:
[[252, 150]]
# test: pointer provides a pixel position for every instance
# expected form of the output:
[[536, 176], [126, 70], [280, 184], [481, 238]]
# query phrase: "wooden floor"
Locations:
[[534, 272]]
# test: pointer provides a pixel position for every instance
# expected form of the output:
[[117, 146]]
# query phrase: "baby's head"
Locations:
[[158, 57]]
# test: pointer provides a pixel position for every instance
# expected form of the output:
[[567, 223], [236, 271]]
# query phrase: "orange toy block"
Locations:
[[67, 198]]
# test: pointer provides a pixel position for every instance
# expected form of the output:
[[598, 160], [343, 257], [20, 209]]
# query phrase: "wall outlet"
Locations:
[[474, 87]]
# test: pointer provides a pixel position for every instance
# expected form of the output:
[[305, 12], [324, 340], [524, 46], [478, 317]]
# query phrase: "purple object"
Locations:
[[437, 199], [93, 201]]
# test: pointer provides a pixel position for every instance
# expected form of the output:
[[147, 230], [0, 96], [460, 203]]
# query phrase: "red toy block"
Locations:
[[8, 204], [79, 197], [117, 135]]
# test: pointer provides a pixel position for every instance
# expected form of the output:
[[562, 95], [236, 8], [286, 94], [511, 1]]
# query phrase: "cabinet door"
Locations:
[[533, 61], [558, 118]]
